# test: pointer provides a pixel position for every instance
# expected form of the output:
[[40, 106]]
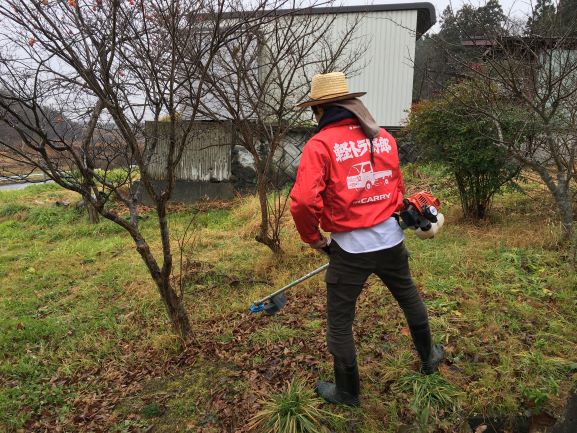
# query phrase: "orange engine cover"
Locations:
[[423, 199]]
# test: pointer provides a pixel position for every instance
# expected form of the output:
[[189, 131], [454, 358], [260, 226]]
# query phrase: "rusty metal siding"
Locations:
[[207, 156]]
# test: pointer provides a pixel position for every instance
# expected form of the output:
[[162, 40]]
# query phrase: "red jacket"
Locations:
[[338, 186]]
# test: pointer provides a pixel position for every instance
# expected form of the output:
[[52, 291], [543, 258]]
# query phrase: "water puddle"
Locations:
[[16, 186]]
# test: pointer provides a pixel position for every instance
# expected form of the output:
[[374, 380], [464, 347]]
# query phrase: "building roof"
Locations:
[[529, 45], [426, 17]]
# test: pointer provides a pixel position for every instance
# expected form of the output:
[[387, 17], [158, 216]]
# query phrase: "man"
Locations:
[[350, 182]]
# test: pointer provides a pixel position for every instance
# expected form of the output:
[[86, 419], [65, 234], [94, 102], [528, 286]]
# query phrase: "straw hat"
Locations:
[[327, 88]]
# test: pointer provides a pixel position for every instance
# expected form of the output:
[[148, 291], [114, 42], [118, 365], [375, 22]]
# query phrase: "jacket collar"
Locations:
[[333, 114], [350, 121]]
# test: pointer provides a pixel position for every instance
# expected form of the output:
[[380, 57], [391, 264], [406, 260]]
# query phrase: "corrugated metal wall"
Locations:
[[207, 156], [387, 41], [389, 38]]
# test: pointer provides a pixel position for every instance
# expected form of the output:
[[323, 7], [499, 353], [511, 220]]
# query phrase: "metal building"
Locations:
[[206, 156], [205, 166], [388, 33]]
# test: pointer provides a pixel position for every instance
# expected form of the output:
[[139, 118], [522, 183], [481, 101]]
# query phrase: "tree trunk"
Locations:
[[93, 216], [566, 220], [561, 191], [264, 234], [174, 304], [176, 312], [563, 198]]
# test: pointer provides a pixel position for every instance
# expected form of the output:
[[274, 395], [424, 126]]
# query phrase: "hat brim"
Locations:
[[312, 102]]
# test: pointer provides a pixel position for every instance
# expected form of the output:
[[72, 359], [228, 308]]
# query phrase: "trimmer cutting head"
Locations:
[[274, 302], [273, 306]]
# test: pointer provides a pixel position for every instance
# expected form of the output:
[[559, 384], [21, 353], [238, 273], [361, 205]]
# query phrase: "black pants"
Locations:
[[345, 278]]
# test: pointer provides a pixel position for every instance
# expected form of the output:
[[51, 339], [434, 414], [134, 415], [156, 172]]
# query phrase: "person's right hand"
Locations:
[[322, 245]]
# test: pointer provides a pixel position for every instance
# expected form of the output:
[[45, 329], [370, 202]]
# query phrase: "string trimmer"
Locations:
[[272, 303]]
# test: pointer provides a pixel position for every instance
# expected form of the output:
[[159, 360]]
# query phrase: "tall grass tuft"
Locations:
[[11, 209], [297, 410], [432, 398]]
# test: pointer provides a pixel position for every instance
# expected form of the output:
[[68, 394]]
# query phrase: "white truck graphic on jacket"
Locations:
[[362, 176]]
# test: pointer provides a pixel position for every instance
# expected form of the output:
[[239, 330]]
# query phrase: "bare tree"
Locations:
[[533, 78], [256, 83], [78, 79]]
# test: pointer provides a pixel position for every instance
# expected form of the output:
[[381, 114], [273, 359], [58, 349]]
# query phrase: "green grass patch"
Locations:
[[11, 209]]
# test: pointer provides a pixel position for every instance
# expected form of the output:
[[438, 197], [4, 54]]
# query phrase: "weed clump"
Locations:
[[432, 397], [297, 410]]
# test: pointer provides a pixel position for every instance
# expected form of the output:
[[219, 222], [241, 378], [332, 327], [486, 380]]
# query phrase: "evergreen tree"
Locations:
[[567, 14], [489, 19], [543, 18], [450, 31], [433, 66], [471, 22]]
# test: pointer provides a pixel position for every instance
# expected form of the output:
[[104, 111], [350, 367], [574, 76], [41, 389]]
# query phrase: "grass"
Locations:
[[85, 344], [432, 398]]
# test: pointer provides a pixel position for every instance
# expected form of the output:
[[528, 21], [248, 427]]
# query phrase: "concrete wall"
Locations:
[[285, 161], [186, 191]]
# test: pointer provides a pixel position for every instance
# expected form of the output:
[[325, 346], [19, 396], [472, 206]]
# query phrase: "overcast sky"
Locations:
[[516, 8]]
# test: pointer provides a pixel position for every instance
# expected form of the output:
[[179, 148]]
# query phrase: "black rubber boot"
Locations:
[[347, 386], [430, 355]]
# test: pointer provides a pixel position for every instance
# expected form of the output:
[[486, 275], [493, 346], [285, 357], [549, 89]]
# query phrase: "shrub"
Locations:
[[447, 131], [297, 410]]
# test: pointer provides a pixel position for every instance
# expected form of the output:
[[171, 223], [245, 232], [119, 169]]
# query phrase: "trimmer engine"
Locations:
[[421, 209]]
